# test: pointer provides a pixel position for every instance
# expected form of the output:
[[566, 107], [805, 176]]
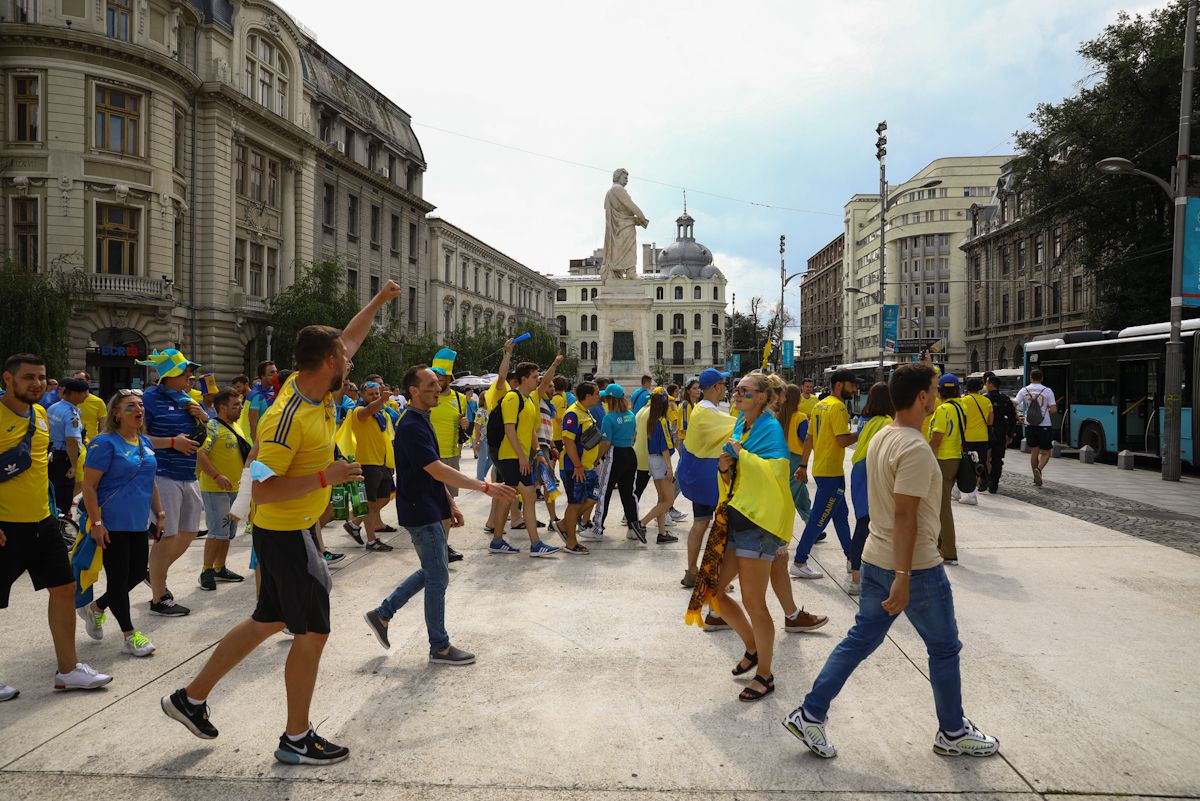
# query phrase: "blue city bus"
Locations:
[[1109, 387], [865, 372]]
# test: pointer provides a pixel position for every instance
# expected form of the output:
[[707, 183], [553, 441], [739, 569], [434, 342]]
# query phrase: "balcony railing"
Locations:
[[130, 285], [678, 332]]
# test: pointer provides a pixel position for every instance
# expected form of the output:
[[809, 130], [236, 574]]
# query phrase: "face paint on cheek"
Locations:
[[748, 395]]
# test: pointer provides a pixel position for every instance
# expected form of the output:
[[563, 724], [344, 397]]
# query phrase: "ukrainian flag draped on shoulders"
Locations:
[[707, 432], [760, 489]]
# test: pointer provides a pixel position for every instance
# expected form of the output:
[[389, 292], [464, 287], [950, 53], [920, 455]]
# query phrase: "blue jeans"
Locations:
[[830, 504], [799, 491], [433, 576], [483, 461], [930, 610]]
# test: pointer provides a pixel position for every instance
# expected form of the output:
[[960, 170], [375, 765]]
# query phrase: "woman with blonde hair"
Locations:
[[119, 494]]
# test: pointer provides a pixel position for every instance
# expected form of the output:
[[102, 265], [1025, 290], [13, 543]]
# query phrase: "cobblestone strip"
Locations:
[[1153, 523]]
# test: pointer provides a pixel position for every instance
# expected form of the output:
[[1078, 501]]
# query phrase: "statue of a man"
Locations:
[[621, 216]]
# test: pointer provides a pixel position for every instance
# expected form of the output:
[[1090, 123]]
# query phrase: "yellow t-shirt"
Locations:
[[26, 498], [559, 401], [295, 438], [91, 416], [641, 440], [807, 404], [795, 444], [976, 409], [945, 421], [222, 449], [372, 441], [830, 419], [527, 425], [197, 396], [495, 394], [444, 418], [588, 457], [243, 421]]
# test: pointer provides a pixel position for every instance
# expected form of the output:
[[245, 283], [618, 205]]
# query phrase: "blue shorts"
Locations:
[[581, 491], [754, 543], [216, 514], [702, 511]]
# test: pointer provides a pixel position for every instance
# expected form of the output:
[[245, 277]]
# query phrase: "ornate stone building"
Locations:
[[821, 322], [688, 312]]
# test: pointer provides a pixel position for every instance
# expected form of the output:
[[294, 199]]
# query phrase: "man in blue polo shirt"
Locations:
[[641, 395], [424, 507], [171, 416], [66, 441]]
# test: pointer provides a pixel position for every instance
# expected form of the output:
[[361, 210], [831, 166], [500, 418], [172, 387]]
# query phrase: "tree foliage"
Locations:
[[749, 332], [37, 314], [479, 351], [1117, 226]]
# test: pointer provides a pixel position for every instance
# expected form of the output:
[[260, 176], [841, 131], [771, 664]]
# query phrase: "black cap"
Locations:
[[843, 376], [74, 385]]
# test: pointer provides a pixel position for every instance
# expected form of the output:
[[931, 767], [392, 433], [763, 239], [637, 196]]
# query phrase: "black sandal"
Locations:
[[738, 670], [751, 694]]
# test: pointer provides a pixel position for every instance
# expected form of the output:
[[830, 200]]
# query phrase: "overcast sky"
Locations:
[[770, 102]]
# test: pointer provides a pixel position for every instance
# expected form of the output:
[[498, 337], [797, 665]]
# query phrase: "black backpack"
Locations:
[[495, 423]]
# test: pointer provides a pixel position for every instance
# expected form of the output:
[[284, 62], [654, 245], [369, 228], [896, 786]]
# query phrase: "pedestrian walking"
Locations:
[[120, 496], [977, 416], [660, 446], [581, 441], [877, 414], [1002, 431], [618, 431], [427, 510], [219, 464], [371, 438], [708, 430], [1037, 403], [902, 572], [66, 442], [795, 425], [945, 434]]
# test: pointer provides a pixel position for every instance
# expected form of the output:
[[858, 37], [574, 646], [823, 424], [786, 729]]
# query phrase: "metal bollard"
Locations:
[[1056, 449], [1125, 460], [1087, 455]]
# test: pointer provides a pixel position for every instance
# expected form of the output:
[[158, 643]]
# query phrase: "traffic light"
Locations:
[[881, 142]]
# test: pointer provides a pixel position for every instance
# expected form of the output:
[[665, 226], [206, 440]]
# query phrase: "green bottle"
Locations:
[[357, 492], [341, 503]]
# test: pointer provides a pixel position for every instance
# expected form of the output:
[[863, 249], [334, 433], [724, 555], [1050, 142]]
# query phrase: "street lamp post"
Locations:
[[1173, 424], [881, 155]]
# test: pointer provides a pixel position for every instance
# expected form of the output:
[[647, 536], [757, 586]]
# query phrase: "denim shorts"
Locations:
[[216, 515], [580, 491], [754, 543], [658, 466]]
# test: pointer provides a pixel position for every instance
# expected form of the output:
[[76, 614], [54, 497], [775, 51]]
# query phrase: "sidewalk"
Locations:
[[1080, 646]]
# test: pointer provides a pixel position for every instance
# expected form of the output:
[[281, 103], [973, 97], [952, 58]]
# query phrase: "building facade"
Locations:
[[688, 311], [927, 219], [1022, 281], [473, 285], [822, 324]]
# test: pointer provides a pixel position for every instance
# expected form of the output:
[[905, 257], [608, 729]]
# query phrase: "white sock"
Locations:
[[295, 738], [194, 702]]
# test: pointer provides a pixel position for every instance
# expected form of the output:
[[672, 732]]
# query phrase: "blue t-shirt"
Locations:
[[63, 418], [658, 442], [167, 416], [640, 398], [598, 411], [420, 498], [49, 399], [619, 428], [261, 399], [127, 486]]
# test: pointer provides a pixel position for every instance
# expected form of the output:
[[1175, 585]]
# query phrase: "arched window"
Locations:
[[1016, 363], [974, 361], [595, 351], [583, 294], [696, 350], [658, 322], [658, 350], [447, 326], [677, 353], [1002, 359], [716, 321], [562, 324], [583, 320], [658, 293], [583, 350], [595, 326], [678, 293], [696, 321], [266, 73], [677, 323], [594, 293], [716, 295], [696, 293]]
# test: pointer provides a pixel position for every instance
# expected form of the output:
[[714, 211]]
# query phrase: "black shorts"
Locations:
[[509, 471], [35, 548], [1038, 437], [295, 581], [378, 481]]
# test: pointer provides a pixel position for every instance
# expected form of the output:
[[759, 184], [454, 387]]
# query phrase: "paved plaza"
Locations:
[[1080, 651]]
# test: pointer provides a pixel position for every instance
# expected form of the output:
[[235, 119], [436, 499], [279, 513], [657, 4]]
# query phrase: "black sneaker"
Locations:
[[225, 574], [202, 533], [208, 580], [821, 537], [453, 656], [355, 533], [168, 608], [379, 546], [312, 750], [195, 718], [377, 627], [388, 528], [666, 539], [453, 555], [332, 558]]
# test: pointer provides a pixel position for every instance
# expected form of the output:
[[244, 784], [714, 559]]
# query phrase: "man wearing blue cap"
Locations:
[[171, 423]]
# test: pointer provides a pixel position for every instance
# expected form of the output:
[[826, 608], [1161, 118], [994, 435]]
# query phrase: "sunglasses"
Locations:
[[125, 393]]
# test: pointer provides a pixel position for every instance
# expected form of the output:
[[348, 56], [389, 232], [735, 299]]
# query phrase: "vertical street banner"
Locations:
[[1191, 254], [789, 353], [891, 323], [737, 363]]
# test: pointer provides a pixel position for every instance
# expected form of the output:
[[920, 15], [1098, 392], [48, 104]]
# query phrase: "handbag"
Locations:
[[590, 437], [968, 467], [19, 458], [243, 446]]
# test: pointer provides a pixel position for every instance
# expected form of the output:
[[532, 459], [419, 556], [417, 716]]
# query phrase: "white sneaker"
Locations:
[[675, 514], [971, 742], [854, 587], [813, 734], [954, 493], [670, 521], [590, 535], [137, 644], [8, 693], [81, 678], [805, 571], [848, 568], [93, 621], [971, 499]]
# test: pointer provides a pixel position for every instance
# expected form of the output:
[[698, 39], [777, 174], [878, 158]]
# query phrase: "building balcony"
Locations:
[[131, 286], [678, 332]]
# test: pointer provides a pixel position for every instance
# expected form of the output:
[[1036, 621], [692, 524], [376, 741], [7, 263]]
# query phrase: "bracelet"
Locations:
[[486, 487], [903, 572], [321, 478], [803, 466], [162, 514], [723, 472]]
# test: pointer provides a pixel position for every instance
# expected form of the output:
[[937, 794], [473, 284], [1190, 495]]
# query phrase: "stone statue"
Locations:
[[621, 216]]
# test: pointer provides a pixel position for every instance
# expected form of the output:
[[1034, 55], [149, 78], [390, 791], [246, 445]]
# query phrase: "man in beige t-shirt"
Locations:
[[901, 563]]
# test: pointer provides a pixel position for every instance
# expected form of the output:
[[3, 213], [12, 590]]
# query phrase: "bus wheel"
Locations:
[[1093, 435]]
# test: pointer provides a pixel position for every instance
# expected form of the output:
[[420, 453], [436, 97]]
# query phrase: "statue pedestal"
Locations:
[[623, 310]]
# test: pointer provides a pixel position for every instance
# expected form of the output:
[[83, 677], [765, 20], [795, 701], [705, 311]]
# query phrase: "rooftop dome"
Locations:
[[685, 256]]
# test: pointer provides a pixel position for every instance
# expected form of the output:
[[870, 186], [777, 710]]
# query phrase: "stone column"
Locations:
[[624, 317]]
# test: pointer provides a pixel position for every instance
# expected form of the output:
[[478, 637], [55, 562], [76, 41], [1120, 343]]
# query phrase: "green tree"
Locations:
[[479, 351], [1118, 227], [37, 315]]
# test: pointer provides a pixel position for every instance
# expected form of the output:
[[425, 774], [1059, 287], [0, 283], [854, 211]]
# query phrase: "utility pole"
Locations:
[[729, 332], [1171, 467], [782, 284], [881, 155]]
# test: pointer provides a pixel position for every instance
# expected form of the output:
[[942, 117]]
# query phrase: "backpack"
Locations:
[[495, 423], [1034, 415]]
